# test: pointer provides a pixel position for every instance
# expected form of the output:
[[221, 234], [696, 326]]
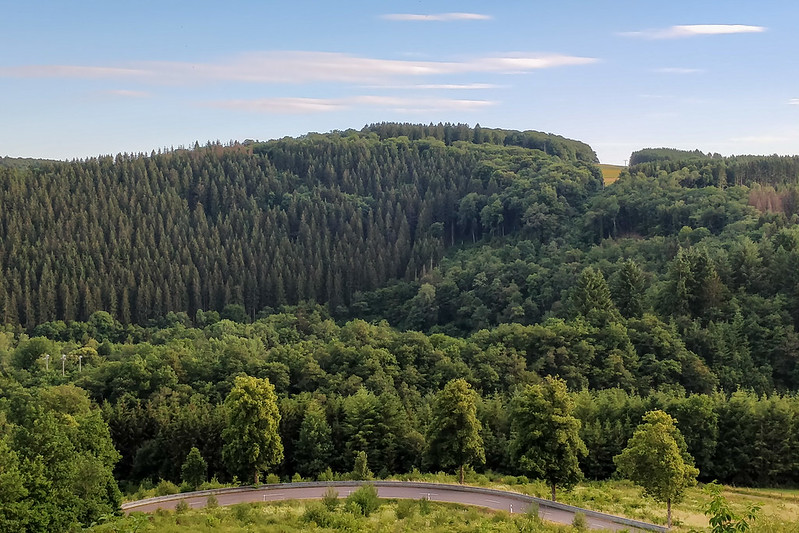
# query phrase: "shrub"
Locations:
[[405, 509], [364, 501], [316, 513], [165, 488], [580, 523], [424, 507], [296, 478], [327, 475], [272, 479], [181, 507], [330, 499], [211, 502]]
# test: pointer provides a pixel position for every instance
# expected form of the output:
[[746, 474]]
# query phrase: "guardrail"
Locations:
[[523, 498]]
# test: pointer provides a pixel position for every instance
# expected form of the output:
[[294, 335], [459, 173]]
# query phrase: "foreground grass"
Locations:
[[610, 173], [779, 507], [296, 516]]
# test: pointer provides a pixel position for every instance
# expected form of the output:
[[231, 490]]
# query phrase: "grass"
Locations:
[[296, 516], [611, 172], [779, 508]]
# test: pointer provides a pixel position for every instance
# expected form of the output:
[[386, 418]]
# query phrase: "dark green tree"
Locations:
[[545, 435], [453, 437]]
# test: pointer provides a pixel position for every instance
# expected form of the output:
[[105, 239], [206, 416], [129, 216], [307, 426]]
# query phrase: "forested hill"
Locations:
[[701, 170], [315, 218]]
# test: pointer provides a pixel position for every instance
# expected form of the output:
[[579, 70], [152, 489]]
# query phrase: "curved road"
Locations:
[[493, 499]]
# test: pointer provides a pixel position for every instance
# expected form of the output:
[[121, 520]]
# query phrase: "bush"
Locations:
[[165, 488], [243, 513], [181, 507], [316, 513], [580, 523], [272, 479], [296, 478], [405, 509], [532, 511], [211, 502], [327, 475], [330, 499], [424, 507], [364, 501], [523, 480]]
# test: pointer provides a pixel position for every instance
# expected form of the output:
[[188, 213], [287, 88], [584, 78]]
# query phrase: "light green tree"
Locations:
[[194, 470], [545, 435], [252, 441], [454, 434], [656, 458]]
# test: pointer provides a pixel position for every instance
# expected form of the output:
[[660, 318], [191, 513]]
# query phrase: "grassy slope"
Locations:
[[611, 172]]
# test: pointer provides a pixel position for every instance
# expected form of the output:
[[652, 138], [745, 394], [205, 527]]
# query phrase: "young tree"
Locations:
[[194, 470], [545, 435], [656, 458], [252, 441], [454, 434]]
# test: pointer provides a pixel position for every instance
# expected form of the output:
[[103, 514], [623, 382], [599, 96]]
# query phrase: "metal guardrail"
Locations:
[[524, 498]]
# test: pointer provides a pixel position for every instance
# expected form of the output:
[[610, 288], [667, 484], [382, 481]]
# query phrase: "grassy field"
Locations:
[[296, 516], [779, 507], [611, 172]]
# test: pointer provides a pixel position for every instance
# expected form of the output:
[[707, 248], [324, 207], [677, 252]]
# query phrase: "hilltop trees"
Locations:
[[656, 458], [252, 441], [545, 434]]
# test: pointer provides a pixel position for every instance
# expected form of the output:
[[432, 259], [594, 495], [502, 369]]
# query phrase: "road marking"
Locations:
[[493, 501]]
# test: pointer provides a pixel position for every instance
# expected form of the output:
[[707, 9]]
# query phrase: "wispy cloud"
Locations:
[[127, 93], [299, 67], [438, 17], [693, 30], [677, 70], [320, 105], [793, 101], [440, 86], [761, 139]]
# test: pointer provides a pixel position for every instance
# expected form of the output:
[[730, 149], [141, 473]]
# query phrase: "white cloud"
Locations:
[[692, 30], [677, 70], [793, 101], [439, 17], [299, 67], [320, 105]]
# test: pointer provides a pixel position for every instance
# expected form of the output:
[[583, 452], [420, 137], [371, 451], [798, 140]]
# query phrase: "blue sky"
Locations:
[[83, 78]]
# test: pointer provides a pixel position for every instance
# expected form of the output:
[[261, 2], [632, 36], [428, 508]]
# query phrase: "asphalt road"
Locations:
[[499, 500]]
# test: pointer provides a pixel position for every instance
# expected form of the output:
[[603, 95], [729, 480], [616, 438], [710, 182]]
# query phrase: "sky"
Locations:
[[85, 78]]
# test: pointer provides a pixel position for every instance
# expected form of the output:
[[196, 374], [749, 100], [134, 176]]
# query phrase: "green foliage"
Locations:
[[165, 488], [195, 469], [364, 501], [721, 517], [360, 471], [580, 523], [182, 507], [211, 502], [454, 436], [656, 458], [330, 499], [545, 434], [313, 448], [252, 441]]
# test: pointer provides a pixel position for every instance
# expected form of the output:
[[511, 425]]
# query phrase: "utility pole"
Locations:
[[63, 360], [46, 362], [80, 363]]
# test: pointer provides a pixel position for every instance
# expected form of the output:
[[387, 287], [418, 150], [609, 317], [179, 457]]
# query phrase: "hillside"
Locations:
[[316, 218]]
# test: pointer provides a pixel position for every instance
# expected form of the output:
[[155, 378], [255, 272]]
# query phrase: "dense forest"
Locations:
[[360, 272]]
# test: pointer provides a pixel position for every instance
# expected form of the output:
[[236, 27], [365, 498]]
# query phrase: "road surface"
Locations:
[[492, 499]]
